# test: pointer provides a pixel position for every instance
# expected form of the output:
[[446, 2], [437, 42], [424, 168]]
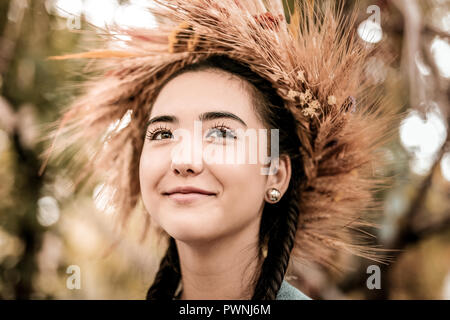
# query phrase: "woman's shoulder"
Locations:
[[289, 292]]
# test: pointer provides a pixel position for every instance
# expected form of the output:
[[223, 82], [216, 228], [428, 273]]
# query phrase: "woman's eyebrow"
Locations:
[[212, 115]]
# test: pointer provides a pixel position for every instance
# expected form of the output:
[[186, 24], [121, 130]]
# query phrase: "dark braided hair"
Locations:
[[279, 220], [168, 276]]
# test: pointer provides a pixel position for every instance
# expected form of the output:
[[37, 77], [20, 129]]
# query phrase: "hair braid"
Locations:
[[281, 242], [168, 276]]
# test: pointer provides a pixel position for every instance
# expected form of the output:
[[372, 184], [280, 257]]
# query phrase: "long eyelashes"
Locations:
[[152, 133], [221, 127], [225, 131]]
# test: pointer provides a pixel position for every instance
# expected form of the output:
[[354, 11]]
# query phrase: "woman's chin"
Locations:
[[192, 227], [191, 236]]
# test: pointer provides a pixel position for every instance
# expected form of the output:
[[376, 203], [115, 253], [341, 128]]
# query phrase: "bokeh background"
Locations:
[[46, 226]]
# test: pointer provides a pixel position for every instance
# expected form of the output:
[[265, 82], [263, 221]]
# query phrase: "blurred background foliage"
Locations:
[[46, 226]]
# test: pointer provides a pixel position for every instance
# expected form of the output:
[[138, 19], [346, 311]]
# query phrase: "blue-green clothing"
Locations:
[[286, 292], [289, 292]]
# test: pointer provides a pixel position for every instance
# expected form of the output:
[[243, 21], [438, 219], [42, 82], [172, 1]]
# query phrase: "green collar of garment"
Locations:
[[289, 292]]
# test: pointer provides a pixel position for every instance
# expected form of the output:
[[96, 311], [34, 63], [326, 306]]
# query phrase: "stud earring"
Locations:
[[273, 194]]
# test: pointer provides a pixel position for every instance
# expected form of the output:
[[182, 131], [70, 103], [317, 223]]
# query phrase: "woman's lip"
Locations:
[[184, 198]]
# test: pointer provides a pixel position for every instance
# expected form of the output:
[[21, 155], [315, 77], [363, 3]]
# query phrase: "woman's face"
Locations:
[[170, 160]]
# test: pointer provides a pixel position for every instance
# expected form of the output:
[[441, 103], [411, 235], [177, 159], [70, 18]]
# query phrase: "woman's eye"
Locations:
[[163, 134], [222, 133]]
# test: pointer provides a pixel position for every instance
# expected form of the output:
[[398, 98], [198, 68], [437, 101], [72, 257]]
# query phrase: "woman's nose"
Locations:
[[185, 169], [186, 157]]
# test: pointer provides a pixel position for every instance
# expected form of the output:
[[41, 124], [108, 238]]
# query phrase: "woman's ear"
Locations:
[[279, 174]]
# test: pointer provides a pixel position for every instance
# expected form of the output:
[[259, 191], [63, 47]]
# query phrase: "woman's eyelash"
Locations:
[[225, 129], [151, 134]]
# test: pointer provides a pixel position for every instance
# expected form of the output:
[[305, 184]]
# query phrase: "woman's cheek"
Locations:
[[243, 187], [149, 170], [144, 170]]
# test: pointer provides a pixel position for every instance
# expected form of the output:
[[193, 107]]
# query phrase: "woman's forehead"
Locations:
[[193, 93]]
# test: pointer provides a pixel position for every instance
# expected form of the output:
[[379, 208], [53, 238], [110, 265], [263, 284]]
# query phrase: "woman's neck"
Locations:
[[221, 269]]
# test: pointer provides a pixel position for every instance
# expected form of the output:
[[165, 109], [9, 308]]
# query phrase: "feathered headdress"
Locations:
[[313, 59]]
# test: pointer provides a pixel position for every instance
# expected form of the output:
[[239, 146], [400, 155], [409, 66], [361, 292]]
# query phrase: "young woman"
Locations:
[[207, 79], [217, 237]]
